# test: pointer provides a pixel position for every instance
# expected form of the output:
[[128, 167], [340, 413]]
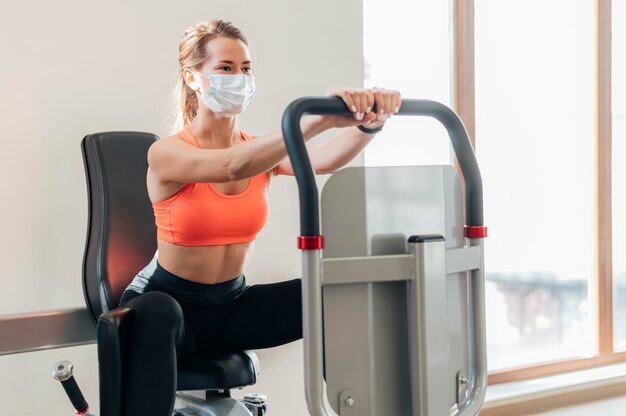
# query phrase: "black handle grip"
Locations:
[[75, 395], [294, 141]]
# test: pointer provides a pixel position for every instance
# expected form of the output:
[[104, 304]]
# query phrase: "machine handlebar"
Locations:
[[63, 371], [309, 202]]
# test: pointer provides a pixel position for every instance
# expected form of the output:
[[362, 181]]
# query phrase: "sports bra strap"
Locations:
[[188, 137]]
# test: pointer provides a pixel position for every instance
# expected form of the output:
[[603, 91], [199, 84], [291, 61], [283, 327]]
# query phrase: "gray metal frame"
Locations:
[[431, 265], [392, 268], [46, 330], [425, 268]]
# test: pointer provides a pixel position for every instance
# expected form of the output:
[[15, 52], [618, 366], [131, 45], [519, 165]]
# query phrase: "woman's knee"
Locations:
[[157, 308]]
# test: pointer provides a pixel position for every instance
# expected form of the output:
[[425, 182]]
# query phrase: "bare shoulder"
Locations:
[[174, 139], [160, 156], [165, 145]]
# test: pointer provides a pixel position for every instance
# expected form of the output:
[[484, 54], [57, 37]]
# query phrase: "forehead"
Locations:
[[226, 49]]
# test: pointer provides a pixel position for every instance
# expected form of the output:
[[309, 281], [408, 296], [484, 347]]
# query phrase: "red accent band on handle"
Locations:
[[475, 231], [83, 412], [314, 242]]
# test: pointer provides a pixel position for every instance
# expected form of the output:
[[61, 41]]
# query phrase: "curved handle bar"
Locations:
[[63, 371], [309, 203]]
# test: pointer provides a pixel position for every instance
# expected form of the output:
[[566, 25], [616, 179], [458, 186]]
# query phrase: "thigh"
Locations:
[[264, 316]]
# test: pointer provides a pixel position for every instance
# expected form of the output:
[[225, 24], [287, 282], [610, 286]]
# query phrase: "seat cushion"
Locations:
[[222, 370]]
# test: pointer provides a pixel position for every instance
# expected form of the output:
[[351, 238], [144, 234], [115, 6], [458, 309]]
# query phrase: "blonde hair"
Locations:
[[192, 52]]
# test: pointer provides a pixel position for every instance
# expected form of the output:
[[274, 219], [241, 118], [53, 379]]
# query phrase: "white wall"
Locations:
[[69, 68]]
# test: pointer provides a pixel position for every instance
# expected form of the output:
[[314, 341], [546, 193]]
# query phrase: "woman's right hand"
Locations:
[[361, 102]]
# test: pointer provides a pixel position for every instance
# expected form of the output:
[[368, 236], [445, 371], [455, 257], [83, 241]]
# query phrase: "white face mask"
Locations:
[[229, 95]]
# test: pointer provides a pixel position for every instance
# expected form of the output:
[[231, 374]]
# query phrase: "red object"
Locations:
[[83, 412], [314, 242], [473, 231], [200, 215]]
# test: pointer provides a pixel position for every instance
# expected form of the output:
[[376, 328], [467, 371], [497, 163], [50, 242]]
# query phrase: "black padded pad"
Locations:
[[224, 370], [114, 333], [121, 235]]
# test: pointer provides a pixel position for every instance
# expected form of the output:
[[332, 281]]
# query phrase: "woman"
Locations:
[[208, 186]]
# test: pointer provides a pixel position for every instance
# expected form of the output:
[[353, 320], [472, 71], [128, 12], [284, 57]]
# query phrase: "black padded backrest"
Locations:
[[121, 234]]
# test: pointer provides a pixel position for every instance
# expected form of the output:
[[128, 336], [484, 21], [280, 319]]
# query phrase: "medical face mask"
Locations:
[[229, 95]]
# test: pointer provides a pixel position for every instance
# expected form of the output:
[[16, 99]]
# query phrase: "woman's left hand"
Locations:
[[361, 102]]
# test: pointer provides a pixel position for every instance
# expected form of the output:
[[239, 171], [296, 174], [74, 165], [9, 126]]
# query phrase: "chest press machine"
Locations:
[[393, 294]]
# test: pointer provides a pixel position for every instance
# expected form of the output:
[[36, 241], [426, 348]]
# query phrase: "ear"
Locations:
[[191, 79]]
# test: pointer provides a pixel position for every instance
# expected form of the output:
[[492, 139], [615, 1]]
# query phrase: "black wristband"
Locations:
[[369, 131]]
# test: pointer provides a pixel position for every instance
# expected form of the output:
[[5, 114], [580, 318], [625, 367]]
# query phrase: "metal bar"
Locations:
[[312, 331], [462, 259], [46, 330], [294, 141], [478, 354], [428, 329], [391, 268], [366, 269]]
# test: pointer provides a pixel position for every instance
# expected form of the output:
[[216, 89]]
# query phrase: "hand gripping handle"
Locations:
[[294, 141]]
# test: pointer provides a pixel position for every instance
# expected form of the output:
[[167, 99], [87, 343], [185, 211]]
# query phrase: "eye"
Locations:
[[225, 68], [246, 69]]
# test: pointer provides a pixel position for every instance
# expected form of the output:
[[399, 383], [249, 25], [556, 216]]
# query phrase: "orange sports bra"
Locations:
[[199, 215]]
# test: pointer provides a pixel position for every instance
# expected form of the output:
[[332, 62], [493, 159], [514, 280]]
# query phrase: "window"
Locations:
[[534, 82], [410, 54], [535, 147]]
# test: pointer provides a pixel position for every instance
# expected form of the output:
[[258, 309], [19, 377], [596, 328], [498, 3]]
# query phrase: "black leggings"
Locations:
[[198, 317]]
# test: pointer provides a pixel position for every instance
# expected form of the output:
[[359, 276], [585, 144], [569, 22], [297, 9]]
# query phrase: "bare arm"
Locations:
[[332, 155], [344, 147], [172, 160]]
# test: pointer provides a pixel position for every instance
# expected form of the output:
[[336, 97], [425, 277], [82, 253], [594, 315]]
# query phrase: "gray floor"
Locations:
[[610, 407]]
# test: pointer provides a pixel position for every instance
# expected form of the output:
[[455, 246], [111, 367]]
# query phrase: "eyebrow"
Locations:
[[232, 63]]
